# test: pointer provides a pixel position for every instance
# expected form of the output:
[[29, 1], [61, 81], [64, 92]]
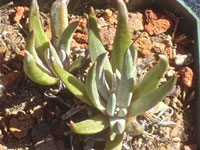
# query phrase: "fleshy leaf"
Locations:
[[90, 126], [95, 45], [102, 84], [54, 54], [64, 59], [122, 37], [41, 40], [111, 105], [152, 79], [124, 91], [148, 101], [133, 127], [35, 73], [66, 37], [117, 124], [134, 54], [92, 91], [116, 80], [51, 52], [77, 64], [30, 46], [116, 144], [74, 85], [59, 20]]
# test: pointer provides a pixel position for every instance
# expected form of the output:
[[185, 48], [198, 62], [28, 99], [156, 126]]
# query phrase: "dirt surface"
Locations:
[[36, 117]]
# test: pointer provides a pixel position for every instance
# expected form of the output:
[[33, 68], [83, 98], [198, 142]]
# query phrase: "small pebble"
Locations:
[[180, 59], [171, 73], [187, 76], [108, 13]]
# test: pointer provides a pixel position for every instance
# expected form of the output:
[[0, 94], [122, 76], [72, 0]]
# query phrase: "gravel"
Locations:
[[195, 5]]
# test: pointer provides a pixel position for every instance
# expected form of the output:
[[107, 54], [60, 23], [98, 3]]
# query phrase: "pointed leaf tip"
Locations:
[[92, 11], [34, 2], [122, 38]]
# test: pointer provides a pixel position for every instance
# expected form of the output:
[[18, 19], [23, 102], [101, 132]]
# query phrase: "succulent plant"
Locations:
[[112, 87], [37, 63]]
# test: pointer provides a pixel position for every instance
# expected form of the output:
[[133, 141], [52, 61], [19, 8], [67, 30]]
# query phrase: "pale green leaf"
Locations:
[[148, 101], [122, 37], [41, 40], [77, 64], [117, 124], [66, 37], [90, 126], [102, 84], [111, 105], [124, 91], [74, 85], [30, 46], [92, 91], [35, 73], [58, 20], [96, 47], [151, 80], [134, 54]]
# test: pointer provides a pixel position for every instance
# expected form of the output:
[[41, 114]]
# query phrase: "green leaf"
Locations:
[[58, 20], [151, 79], [90, 126], [133, 127], [148, 101], [117, 124], [74, 85], [116, 144], [102, 84], [41, 40], [77, 64], [124, 91], [64, 58], [122, 37], [54, 54], [116, 81], [30, 46], [66, 37], [111, 105], [92, 91], [134, 54], [96, 47], [35, 73], [51, 52]]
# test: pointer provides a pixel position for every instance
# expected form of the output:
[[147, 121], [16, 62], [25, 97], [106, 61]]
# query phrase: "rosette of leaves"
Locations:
[[37, 64], [112, 86]]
